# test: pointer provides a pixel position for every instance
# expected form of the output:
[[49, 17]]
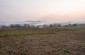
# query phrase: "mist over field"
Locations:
[[51, 11]]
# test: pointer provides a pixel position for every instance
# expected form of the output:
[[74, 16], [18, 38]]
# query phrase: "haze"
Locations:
[[48, 10]]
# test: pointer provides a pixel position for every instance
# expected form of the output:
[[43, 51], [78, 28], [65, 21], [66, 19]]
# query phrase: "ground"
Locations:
[[61, 43]]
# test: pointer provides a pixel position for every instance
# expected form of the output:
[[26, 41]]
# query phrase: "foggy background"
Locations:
[[46, 11]]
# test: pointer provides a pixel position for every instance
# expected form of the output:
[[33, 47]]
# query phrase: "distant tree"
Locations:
[[4, 27], [15, 26], [55, 25], [45, 26], [12, 26], [26, 26], [58, 25], [82, 25], [74, 25], [65, 25], [69, 25], [18, 26], [51, 25]]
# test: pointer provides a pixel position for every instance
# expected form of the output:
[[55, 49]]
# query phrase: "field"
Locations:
[[42, 41]]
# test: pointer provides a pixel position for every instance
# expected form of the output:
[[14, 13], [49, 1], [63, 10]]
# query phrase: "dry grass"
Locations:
[[60, 43]]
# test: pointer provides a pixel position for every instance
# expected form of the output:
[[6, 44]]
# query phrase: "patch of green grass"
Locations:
[[35, 31]]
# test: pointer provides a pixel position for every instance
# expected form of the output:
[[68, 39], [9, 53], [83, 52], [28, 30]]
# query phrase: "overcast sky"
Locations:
[[47, 10]]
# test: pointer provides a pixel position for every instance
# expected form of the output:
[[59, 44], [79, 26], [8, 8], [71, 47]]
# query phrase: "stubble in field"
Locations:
[[61, 43]]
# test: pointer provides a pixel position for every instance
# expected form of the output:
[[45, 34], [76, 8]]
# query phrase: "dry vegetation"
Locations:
[[42, 42]]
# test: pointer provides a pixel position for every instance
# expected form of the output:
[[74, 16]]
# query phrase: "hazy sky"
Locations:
[[49, 10]]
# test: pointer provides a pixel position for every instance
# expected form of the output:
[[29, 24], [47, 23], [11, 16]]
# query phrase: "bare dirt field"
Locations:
[[61, 43]]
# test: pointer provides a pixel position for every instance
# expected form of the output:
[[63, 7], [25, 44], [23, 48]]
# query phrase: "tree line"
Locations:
[[40, 26]]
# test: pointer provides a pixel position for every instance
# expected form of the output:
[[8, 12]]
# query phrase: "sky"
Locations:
[[44, 10]]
